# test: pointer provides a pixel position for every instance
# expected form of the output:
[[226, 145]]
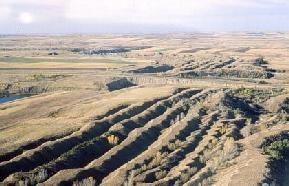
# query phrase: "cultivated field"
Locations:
[[180, 109]]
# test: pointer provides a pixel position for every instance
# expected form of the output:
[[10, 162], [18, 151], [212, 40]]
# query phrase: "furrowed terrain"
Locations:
[[184, 109]]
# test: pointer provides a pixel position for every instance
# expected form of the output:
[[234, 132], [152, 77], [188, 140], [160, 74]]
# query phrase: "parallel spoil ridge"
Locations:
[[183, 139]]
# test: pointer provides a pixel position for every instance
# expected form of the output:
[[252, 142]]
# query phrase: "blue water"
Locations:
[[12, 98]]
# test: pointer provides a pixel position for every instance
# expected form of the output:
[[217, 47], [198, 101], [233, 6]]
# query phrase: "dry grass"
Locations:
[[203, 137]]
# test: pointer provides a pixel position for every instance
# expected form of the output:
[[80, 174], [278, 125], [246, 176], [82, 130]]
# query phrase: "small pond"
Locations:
[[12, 98]]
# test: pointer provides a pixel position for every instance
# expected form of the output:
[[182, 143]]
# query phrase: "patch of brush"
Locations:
[[277, 148]]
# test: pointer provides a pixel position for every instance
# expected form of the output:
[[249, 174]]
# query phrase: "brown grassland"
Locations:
[[179, 109]]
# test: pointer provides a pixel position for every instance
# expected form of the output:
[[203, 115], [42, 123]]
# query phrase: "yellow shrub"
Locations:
[[112, 139]]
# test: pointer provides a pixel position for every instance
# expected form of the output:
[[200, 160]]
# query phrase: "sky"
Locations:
[[142, 16]]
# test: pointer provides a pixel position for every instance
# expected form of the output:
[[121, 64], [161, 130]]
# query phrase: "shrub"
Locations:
[[184, 177], [32, 178], [172, 146], [156, 160], [276, 146], [193, 170], [113, 140], [38, 77], [260, 61], [245, 91], [278, 149], [231, 148], [178, 143], [41, 176], [143, 168], [247, 130], [160, 174]]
